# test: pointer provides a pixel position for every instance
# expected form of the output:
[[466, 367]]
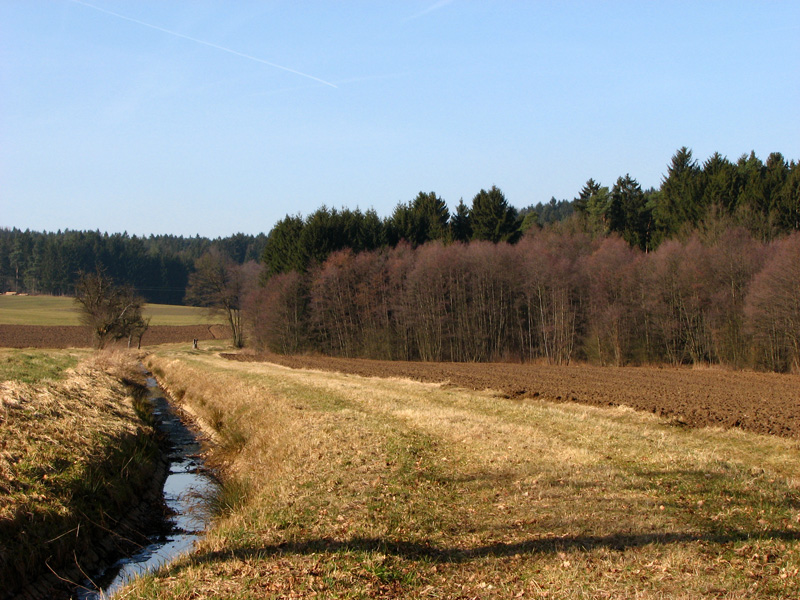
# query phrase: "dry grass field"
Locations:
[[693, 397], [344, 486]]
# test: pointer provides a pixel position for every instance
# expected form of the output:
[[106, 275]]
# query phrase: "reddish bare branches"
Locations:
[[556, 296]]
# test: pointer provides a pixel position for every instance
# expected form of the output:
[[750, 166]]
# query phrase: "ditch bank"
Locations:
[[130, 501], [78, 458]]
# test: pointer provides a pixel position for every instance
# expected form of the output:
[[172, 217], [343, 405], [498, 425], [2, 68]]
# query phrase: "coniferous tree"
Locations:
[[282, 252], [554, 211], [785, 213], [400, 226], [530, 220], [322, 234], [16, 261], [433, 215], [752, 203], [719, 183], [776, 173], [591, 206], [581, 203], [680, 200], [461, 224], [628, 213], [423, 219], [372, 231], [492, 218]]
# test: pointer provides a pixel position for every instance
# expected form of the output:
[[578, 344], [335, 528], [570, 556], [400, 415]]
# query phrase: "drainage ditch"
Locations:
[[187, 486]]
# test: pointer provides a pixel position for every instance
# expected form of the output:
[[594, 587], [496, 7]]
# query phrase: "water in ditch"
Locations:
[[186, 485]]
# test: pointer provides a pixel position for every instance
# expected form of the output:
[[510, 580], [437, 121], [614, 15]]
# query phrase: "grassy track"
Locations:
[[61, 310], [339, 486]]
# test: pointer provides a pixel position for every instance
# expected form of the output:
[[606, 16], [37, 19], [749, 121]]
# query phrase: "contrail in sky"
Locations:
[[433, 7], [204, 43]]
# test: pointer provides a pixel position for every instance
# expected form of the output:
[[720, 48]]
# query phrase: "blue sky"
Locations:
[[213, 117]]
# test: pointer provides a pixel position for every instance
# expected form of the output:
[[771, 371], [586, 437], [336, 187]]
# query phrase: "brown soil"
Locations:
[[759, 402], [76, 336]]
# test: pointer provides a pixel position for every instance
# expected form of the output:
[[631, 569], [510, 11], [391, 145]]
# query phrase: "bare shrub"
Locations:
[[613, 277], [773, 307], [276, 314]]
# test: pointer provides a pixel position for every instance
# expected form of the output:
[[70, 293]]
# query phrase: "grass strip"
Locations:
[[340, 486]]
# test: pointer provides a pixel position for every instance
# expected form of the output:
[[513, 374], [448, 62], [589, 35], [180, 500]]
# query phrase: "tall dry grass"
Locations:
[[75, 456], [349, 487]]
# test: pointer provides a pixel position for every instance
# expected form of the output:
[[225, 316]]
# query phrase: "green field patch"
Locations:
[[62, 310], [33, 366]]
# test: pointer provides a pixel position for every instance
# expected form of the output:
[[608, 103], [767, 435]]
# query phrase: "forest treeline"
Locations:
[[721, 297], [704, 269], [763, 198], [157, 267]]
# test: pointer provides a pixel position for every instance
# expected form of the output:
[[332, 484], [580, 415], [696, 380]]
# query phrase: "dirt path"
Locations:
[[759, 402]]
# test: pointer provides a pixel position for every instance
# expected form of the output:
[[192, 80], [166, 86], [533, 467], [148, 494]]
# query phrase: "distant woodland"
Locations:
[[703, 270], [158, 267]]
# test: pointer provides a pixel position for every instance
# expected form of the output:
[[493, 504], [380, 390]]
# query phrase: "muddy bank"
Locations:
[[759, 402]]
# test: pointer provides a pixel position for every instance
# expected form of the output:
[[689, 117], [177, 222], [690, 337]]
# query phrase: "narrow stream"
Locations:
[[186, 485]]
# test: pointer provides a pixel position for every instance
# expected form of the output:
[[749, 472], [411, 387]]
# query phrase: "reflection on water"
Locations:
[[184, 489]]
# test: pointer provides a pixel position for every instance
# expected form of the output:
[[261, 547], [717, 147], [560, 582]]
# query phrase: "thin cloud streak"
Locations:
[[371, 78], [203, 42], [433, 7], [339, 82]]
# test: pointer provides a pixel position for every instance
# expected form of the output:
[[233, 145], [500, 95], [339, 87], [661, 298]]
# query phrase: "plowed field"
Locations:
[[75, 336], [760, 402]]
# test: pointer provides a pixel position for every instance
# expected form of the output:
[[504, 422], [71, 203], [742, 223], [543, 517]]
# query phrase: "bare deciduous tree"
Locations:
[[277, 314], [110, 311], [219, 284], [773, 307], [551, 293], [612, 278]]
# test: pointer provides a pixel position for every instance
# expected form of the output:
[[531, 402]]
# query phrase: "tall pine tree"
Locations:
[[493, 219], [681, 199]]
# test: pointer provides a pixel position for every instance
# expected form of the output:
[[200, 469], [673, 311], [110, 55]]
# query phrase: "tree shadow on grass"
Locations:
[[424, 551]]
